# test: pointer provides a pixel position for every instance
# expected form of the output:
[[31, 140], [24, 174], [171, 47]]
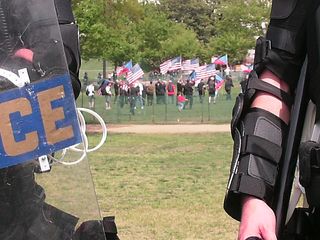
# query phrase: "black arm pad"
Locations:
[[287, 34], [64, 11], [258, 138]]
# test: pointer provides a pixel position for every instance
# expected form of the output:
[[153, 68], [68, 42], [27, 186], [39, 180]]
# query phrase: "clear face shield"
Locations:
[[47, 192]]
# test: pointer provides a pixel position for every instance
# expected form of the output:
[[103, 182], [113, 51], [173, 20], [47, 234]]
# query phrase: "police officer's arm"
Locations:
[[252, 224], [70, 37], [261, 116]]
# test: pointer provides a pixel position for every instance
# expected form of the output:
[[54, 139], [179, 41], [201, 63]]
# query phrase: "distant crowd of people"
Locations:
[[146, 93]]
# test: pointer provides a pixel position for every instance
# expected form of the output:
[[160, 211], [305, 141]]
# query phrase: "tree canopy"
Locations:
[[240, 23], [150, 32]]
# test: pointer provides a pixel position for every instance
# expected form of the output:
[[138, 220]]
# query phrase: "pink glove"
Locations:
[[24, 53], [257, 220]]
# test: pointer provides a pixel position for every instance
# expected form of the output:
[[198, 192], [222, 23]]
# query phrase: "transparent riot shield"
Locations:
[[46, 192]]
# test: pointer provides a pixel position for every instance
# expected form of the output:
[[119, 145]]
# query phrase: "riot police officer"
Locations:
[[261, 116]]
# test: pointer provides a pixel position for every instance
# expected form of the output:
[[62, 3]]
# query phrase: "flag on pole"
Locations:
[[135, 73], [200, 72], [191, 64], [205, 71], [124, 69], [213, 58], [175, 64], [219, 81], [164, 67], [210, 70], [223, 60]]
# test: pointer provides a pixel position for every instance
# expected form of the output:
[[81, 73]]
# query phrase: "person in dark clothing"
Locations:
[[211, 88], [123, 94], [161, 92], [179, 86], [188, 92], [85, 79], [99, 78], [116, 90], [133, 94], [114, 76], [158, 91], [144, 93], [150, 93], [201, 90], [227, 86]]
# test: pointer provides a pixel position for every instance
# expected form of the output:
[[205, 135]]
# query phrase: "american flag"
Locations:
[[135, 73], [200, 72], [205, 71], [175, 64], [189, 65], [210, 70], [164, 67]]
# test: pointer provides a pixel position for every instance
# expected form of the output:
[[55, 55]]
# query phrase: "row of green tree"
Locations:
[[150, 32]]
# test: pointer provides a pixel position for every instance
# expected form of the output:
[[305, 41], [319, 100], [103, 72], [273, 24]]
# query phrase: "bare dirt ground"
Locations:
[[174, 129]]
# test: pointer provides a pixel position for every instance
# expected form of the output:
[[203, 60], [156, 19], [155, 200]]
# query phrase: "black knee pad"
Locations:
[[258, 137]]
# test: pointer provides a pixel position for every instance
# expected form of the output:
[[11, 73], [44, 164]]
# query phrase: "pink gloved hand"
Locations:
[[257, 220], [24, 53]]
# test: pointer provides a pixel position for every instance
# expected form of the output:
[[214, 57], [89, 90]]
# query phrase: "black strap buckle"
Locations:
[[261, 51]]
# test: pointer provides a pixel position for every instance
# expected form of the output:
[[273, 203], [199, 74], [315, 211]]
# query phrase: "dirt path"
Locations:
[[174, 129]]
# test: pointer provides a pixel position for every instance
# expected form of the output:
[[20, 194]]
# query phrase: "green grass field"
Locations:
[[165, 186]]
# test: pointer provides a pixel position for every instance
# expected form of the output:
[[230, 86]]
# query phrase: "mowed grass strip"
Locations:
[[165, 186]]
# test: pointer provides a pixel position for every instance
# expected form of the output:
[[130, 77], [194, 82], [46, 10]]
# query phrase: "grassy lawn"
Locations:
[[165, 186]]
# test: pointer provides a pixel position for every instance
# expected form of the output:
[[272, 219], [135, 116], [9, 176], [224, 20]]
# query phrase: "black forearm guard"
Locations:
[[258, 145]]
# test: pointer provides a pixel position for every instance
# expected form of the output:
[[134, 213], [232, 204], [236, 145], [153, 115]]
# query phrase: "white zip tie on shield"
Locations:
[[85, 142]]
